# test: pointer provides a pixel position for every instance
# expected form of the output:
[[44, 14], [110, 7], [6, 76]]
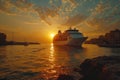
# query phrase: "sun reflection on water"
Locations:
[[51, 56], [52, 59]]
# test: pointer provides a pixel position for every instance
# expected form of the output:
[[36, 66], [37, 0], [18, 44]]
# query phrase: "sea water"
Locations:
[[46, 61]]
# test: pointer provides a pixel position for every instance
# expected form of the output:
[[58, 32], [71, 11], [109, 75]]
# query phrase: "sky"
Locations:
[[35, 20]]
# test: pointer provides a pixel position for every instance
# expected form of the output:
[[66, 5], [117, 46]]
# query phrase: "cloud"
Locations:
[[100, 8], [32, 23], [65, 10], [5, 6], [22, 4], [101, 25], [115, 25], [95, 23], [14, 7], [116, 11], [104, 17], [45, 13], [70, 1], [69, 5], [75, 20]]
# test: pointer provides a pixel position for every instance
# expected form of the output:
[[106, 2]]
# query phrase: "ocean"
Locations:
[[46, 61]]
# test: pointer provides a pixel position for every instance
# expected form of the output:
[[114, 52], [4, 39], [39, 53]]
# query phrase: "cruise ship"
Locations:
[[70, 37]]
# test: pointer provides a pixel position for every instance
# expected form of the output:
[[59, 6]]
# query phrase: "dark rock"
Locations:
[[65, 77], [118, 73], [2, 38], [101, 68]]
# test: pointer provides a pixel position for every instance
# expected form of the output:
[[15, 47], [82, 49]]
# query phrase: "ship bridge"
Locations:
[[74, 33]]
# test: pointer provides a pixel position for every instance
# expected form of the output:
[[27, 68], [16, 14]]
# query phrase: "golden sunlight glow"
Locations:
[[52, 35], [51, 57]]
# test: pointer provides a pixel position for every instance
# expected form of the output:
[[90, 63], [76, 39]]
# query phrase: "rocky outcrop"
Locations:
[[101, 68], [2, 39], [111, 39], [65, 77]]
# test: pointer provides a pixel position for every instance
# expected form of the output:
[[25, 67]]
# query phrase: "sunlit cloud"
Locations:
[[45, 13], [31, 23], [75, 20], [22, 4], [5, 6], [92, 16]]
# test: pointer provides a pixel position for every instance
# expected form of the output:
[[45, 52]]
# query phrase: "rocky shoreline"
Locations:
[[99, 68]]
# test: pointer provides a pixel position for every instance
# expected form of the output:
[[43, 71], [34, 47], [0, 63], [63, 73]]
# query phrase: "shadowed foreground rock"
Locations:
[[65, 77], [101, 68]]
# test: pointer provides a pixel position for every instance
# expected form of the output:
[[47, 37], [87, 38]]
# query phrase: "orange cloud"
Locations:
[[5, 6], [22, 4], [75, 20], [45, 13]]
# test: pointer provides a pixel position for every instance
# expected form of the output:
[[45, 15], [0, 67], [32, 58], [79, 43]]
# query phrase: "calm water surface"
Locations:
[[45, 61]]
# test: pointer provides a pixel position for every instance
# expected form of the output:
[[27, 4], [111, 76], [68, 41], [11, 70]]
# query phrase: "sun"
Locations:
[[52, 35]]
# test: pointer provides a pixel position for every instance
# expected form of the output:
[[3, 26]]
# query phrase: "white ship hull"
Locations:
[[71, 42]]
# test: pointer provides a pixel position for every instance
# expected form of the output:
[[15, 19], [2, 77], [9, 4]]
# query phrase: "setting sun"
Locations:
[[52, 35]]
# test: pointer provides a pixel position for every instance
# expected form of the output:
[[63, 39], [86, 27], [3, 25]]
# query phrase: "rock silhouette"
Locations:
[[111, 39], [2, 38], [101, 68]]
